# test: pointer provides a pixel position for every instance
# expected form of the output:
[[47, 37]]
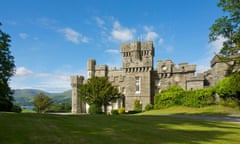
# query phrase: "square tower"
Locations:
[[138, 67]]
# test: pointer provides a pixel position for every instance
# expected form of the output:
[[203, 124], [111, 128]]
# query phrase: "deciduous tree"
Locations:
[[98, 91], [228, 27], [42, 102]]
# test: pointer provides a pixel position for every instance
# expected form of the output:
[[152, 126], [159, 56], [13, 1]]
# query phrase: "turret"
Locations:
[[91, 63], [137, 56], [77, 105]]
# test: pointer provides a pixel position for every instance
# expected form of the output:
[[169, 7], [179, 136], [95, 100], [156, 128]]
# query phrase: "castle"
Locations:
[[138, 79]]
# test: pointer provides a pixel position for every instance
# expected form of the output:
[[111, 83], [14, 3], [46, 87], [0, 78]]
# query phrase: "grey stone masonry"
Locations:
[[137, 78]]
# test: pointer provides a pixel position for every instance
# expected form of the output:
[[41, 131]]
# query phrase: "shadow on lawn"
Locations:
[[101, 129], [162, 129], [210, 117]]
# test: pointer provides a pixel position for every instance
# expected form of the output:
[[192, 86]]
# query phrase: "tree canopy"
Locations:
[[228, 27], [7, 70], [98, 91], [42, 102]]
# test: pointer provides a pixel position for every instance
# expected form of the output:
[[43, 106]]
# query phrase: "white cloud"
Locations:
[[99, 21], [50, 82], [169, 48], [47, 22], [23, 36], [160, 41], [113, 51], [121, 33], [53, 82], [216, 46], [22, 71], [203, 64], [151, 35], [73, 36]]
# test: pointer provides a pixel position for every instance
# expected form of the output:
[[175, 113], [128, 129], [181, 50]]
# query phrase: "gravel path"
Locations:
[[223, 118]]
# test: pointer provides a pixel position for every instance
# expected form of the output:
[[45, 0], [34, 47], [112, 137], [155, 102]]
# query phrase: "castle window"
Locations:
[[183, 68], [138, 84]]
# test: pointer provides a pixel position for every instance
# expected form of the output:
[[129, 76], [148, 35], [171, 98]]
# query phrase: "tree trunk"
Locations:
[[105, 109]]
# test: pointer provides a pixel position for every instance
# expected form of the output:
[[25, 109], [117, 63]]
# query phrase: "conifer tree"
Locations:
[[7, 70]]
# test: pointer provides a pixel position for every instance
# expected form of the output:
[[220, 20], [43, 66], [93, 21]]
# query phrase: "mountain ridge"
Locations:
[[25, 96]]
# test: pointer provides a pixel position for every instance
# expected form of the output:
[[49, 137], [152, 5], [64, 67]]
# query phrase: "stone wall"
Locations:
[[137, 79]]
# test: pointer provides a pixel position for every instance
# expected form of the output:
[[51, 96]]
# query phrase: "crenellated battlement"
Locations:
[[137, 56], [137, 79], [76, 80], [169, 67]]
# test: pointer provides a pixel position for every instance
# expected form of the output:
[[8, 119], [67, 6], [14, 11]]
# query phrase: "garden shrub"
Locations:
[[137, 105], [229, 90], [121, 110], [148, 107], [169, 97], [95, 109], [175, 96], [16, 109], [114, 112]]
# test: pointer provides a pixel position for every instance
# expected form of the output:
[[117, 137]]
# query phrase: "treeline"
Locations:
[[226, 92]]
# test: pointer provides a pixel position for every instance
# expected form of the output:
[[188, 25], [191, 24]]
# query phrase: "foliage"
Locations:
[[169, 97], [114, 112], [137, 105], [60, 107], [98, 91], [42, 102], [198, 98], [7, 69], [175, 95], [148, 107], [95, 109], [209, 110], [5, 105], [16, 109], [228, 27], [229, 88], [121, 110]]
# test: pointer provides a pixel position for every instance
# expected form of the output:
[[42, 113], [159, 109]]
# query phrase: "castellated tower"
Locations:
[[91, 63], [137, 78], [138, 66], [77, 105]]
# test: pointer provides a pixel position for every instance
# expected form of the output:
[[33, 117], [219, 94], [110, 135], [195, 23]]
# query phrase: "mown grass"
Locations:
[[30, 128], [211, 110]]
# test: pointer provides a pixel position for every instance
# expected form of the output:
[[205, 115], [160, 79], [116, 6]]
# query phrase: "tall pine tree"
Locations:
[[7, 70]]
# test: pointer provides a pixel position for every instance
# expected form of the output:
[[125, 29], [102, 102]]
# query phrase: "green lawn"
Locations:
[[31, 128], [211, 110]]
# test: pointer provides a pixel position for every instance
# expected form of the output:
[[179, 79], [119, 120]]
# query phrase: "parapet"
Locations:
[[136, 45], [169, 67], [199, 77], [185, 67], [91, 64], [76, 80]]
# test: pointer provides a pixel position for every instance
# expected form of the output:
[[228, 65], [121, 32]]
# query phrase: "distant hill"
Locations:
[[25, 96]]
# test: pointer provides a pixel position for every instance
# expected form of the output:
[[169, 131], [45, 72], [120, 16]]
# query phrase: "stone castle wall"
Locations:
[[137, 79]]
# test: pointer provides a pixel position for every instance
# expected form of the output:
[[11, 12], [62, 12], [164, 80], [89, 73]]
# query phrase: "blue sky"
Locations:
[[52, 39]]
